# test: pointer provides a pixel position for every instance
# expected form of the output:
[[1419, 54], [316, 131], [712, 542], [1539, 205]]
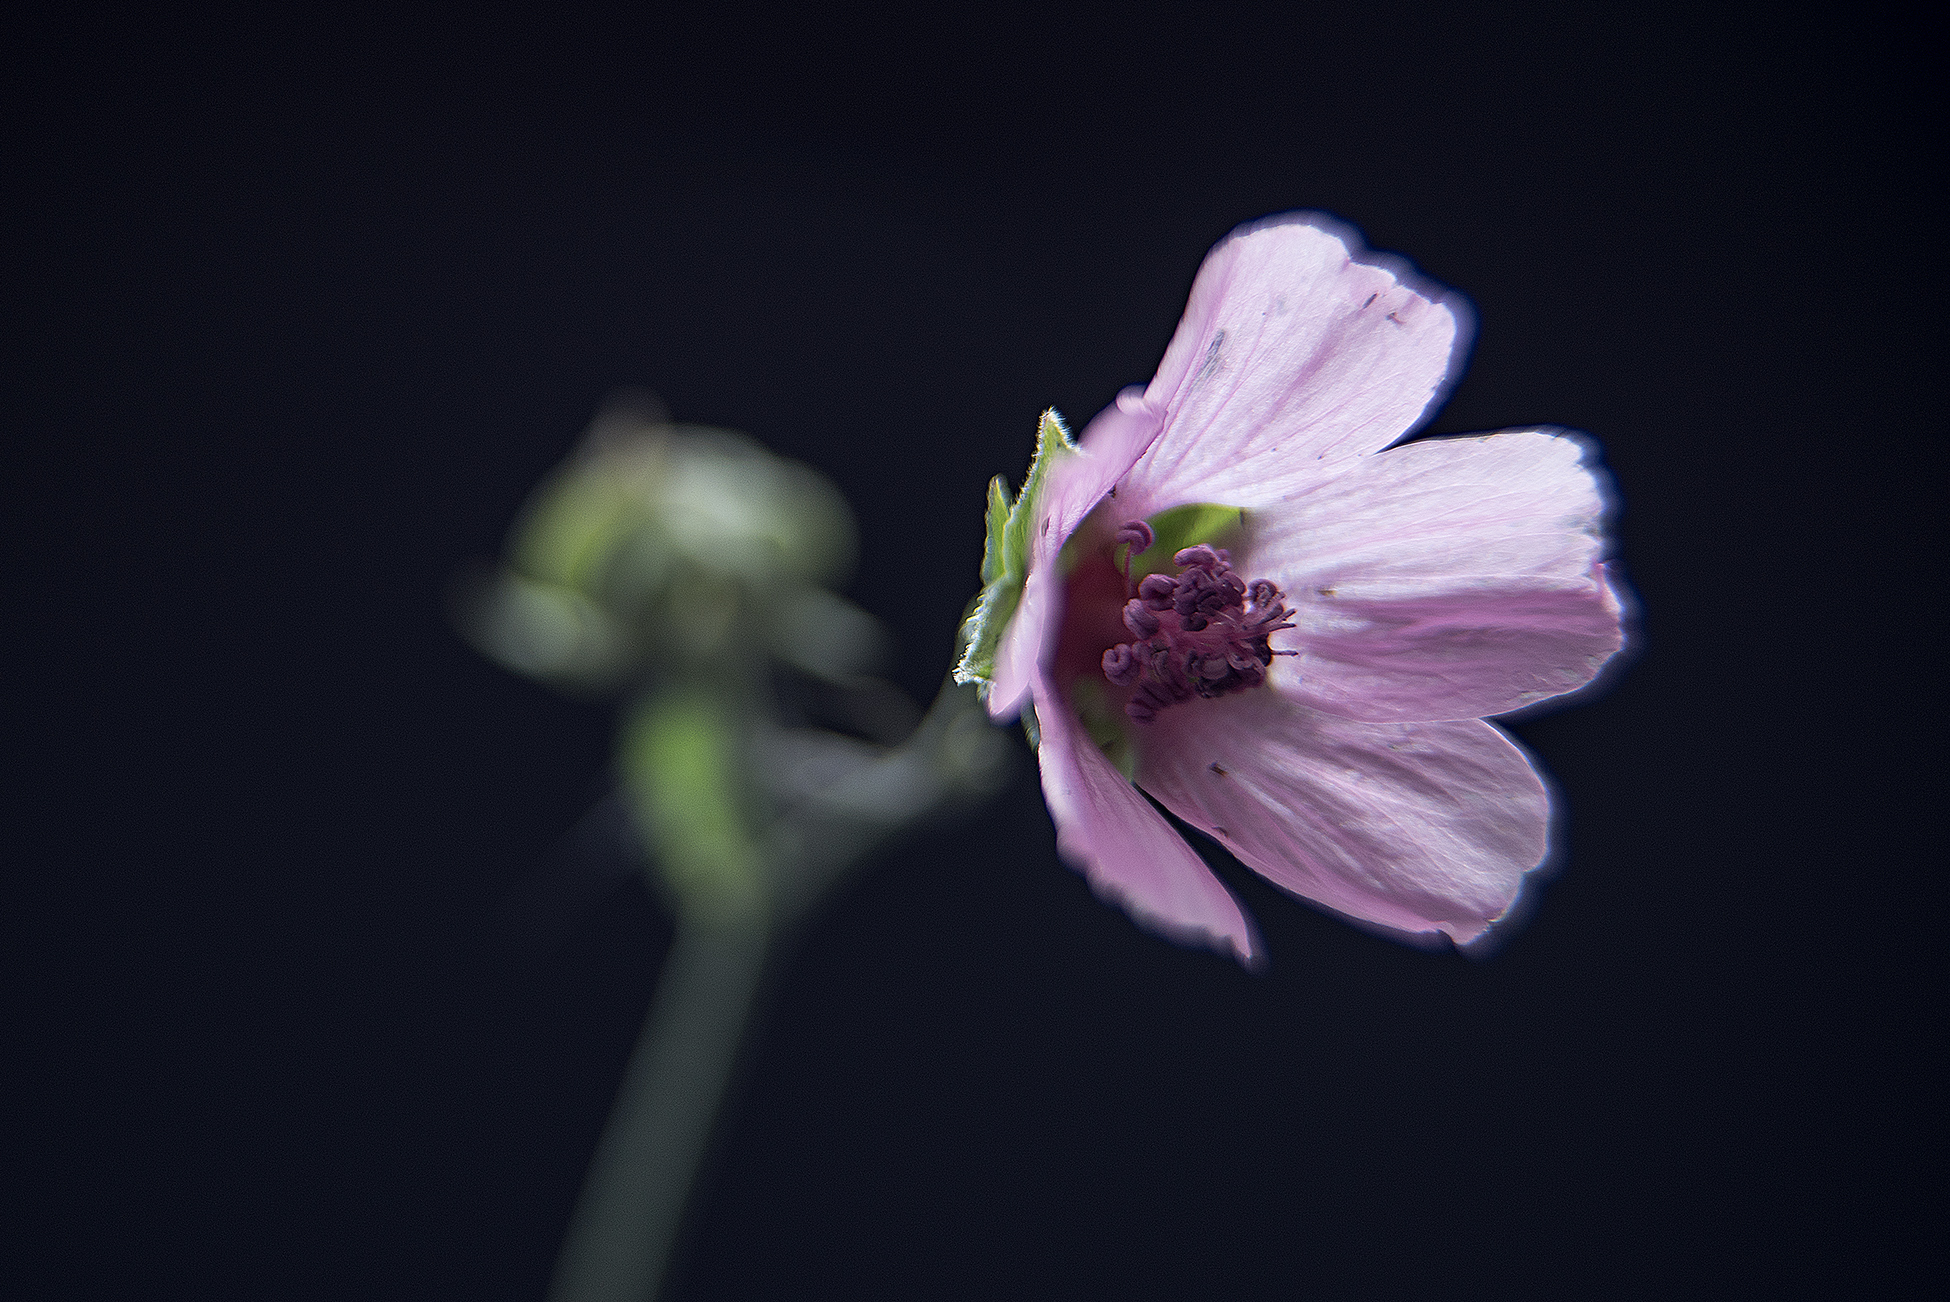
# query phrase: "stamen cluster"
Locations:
[[1200, 633]]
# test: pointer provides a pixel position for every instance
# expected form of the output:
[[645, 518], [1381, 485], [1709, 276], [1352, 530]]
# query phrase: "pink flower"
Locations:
[[1309, 686]]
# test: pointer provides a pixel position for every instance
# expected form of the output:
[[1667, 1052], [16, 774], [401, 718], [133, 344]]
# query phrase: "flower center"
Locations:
[[1199, 633]]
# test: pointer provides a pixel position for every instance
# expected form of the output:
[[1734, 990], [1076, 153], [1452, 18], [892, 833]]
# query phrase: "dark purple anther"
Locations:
[[1194, 635], [1200, 556], [1172, 683], [1184, 598], [1121, 667]]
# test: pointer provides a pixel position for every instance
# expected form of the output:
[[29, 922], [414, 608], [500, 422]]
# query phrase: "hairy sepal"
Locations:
[[1005, 556]]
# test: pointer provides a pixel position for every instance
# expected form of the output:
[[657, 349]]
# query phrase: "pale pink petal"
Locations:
[[1124, 847], [1412, 826], [1291, 355], [1020, 652], [1109, 445], [1445, 579]]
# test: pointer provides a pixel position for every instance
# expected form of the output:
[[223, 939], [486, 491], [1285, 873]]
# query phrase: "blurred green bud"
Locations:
[[661, 549], [543, 630], [639, 501]]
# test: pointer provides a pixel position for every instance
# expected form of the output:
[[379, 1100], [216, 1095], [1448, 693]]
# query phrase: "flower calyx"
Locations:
[[1005, 556]]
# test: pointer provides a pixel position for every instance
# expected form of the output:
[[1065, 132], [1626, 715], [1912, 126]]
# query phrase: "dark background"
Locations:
[[300, 313]]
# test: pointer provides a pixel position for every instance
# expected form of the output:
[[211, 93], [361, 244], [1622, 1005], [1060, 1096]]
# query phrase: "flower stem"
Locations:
[[632, 1203]]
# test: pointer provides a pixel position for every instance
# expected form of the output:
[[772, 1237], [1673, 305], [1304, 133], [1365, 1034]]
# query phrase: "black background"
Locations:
[[302, 310]]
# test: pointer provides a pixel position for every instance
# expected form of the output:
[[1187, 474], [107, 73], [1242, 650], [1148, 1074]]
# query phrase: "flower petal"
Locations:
[[1125, 849], [1291, 354], [1411, 826], [1113, 440], [1076, 483], [1021, 649], [1446, 579]]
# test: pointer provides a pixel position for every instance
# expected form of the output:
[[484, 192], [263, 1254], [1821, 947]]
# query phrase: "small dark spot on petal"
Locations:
[[1397, 320], [1219, 769], [1370, 303], [1212, 354], [1325, 592]]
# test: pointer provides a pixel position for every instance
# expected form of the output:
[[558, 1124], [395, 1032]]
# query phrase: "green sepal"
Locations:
[[1005, 556], [998, 525]]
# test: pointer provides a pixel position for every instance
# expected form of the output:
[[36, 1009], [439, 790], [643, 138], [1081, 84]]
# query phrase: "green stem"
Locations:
[[632, 1203]]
